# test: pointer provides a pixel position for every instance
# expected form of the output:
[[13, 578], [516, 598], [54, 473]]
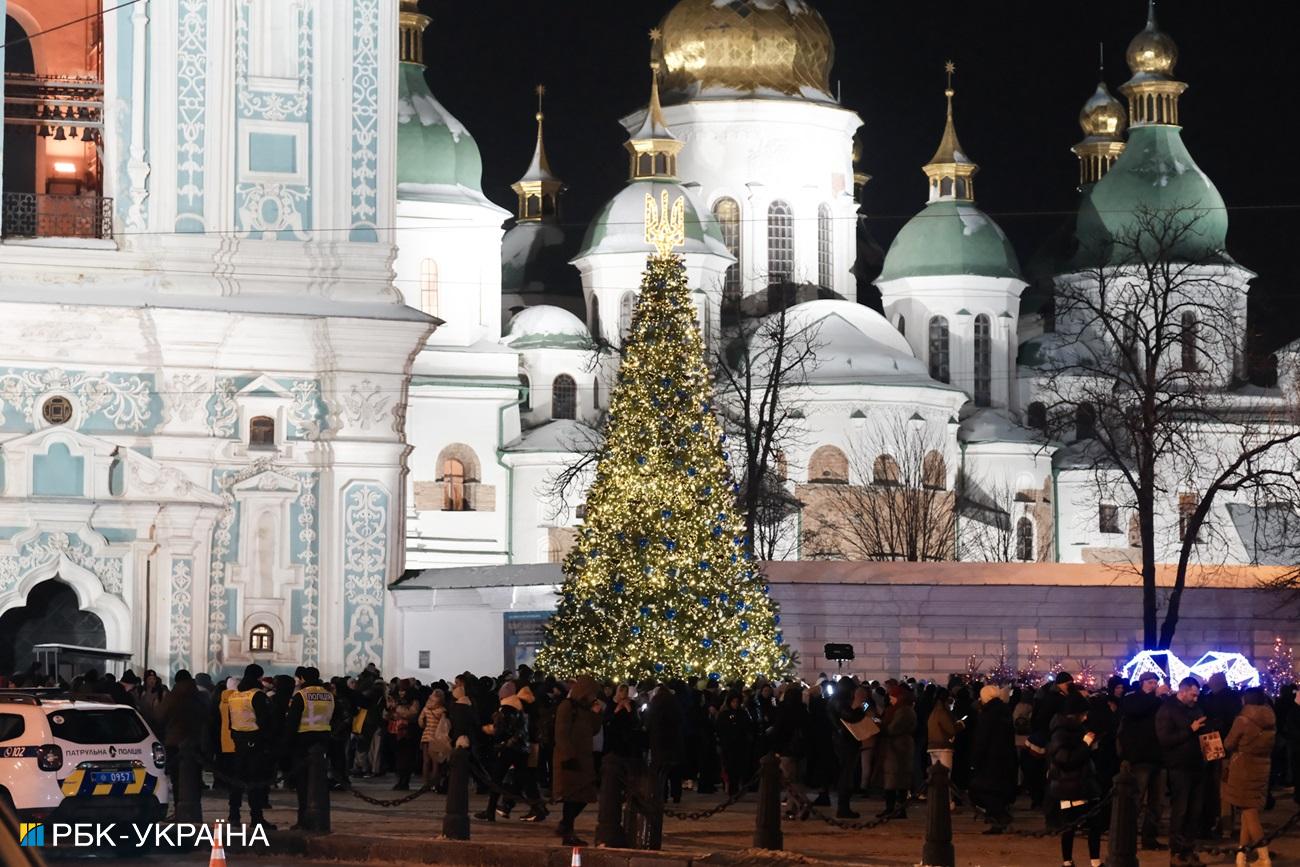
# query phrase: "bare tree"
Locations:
[[986, 521], [1140, 376], [894, 502], [757, 376]]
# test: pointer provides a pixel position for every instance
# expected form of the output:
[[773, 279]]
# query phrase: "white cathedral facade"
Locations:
[[270, 351]]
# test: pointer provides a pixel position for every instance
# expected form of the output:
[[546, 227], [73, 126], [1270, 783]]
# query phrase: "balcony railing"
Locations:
[[31, 215]]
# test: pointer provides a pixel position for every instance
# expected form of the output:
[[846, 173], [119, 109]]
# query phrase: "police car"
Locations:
[[68, 758]]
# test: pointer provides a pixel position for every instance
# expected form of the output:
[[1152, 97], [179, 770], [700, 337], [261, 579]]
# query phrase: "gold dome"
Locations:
[[1102, 116], [1152, 52], [750, 47]]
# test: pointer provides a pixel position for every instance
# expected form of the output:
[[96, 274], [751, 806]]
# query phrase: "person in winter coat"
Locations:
[[790, 733], [435, 736], [1072, 782], [577, 719], [1249, 746], [664, 723], [1138, 745], [736, 732], [994, 769], [509, 735], [181, 715], [1179, 723], [1221, 704], [841, 709], [1290, 731], [402, 712], [897, 743], [941, 734]]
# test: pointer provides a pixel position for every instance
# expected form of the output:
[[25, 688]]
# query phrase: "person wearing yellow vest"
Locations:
[[307, 728], [249, 714]]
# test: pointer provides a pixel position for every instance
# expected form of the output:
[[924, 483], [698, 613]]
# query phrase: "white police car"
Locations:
[[68, 758]]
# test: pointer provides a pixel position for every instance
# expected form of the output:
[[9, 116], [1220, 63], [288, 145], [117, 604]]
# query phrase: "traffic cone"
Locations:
[[218, 857], [576, 860]]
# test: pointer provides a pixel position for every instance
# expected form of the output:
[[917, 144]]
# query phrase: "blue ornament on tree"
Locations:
[[717, 531], [690, 471], [697, 427], [744, 654], [722, 597], [643, 542], [706, 643], [715, 676], [744, 626], [659, 666], [635, 630], [645, 611], [666, 514], [618, 587], [705, 601], [740, 605], [776, 620], [640, 459], [704, 565], [671, 614]]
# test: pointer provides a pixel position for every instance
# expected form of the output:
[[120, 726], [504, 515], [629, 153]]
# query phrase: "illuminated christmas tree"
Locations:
[[661, 582], [1280, 668]]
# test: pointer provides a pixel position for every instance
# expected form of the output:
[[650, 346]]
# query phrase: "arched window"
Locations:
[[939, 368], [727, 213], [983, 361], [884, 471], [595, 392], [525, 393], [1036, 416], [1187, 505], [453, 486], [825, 248], [533, 207], [429, 287], [1085, 422], [661, 164], [934, 471], [645, 165], [1187, 337], [564, 397], [261, 639], [625, 306], [780, 243], [902, 324], [595, 317], [1025, 539], [827, 464], [261, 431]]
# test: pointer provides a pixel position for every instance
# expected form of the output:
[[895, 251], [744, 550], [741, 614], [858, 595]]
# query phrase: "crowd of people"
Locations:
[[1207, 756]]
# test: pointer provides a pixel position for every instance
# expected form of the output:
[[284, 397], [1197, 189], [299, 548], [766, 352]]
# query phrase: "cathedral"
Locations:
[[280, 381]]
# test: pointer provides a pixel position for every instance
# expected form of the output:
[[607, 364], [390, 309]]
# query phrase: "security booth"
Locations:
[[69, 660]]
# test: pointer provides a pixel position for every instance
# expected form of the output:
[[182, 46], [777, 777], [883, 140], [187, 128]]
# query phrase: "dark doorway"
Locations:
[[20, 140], [50, 615]]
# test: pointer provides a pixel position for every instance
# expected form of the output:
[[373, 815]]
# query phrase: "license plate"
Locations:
[[98, 777]]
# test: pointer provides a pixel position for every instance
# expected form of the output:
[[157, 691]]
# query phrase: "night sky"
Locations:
[[1023, 71]]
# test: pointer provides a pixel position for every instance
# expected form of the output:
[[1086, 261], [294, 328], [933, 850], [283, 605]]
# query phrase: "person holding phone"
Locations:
[[1179, 723], [1072, 784]]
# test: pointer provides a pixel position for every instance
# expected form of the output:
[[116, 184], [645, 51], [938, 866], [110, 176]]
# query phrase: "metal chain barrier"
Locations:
[[805, 808], [977, 810], [391, 802], [697, 815], [1232, 851]]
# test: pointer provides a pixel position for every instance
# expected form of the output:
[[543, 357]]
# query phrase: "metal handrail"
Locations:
[[35, 215]]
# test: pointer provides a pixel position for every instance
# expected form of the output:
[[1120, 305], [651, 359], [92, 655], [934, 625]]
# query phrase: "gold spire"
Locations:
[[1152, 91], [653, 148], [1103, 121], [538, 190], [950, 171], [411, 25]]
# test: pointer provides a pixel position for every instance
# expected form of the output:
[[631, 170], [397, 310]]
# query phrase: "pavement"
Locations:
[[365, 833]]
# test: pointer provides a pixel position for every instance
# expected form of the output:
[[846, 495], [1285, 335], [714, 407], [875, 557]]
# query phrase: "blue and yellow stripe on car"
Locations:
[[80, 784]]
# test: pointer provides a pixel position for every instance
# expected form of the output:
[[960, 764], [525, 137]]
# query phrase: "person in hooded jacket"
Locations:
[[1072, 782], [508, 732], [666, 740], [841, 710], [577, 719], [897, 742], [1138, 745], [994, 767], [736, 732], [1289, 701], [1249, 747], [790, 733], [181, 715]]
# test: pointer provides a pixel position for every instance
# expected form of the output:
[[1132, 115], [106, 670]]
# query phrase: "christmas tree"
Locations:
[[661, 582], [1280, 668]]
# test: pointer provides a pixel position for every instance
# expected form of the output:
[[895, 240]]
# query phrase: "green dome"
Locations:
[[950, 237], [433, 147], [620, 225], [1154, 174]]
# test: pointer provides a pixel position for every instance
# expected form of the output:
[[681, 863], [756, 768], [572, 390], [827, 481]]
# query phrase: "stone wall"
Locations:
[[926, 620]]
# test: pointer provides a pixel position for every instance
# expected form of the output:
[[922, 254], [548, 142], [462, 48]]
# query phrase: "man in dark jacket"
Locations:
[[250, 725], [994, 765], [306, 734], [1221, 704], [1179, 724], [182, 715], [842, 710], [1139, 746]]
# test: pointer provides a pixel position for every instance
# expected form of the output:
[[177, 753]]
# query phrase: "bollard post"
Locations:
[[455, 823], [767, 819], [938, 851], [1121, 848], [609, 817], [189, 786], [643, 822], [318, 789]]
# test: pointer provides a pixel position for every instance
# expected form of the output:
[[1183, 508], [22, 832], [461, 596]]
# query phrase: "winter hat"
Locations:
[[507, 689], [1148, 675], [1064, 677], [988, 692]]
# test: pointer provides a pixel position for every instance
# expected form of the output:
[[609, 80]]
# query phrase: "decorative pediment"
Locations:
[[147, 479], [265, 386], [268, 481]]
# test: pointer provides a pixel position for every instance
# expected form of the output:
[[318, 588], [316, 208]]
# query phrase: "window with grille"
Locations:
[[453, 486], [57, 410], [261, 431], [825, 248], [727, 213], [780, 243], [1108, 518], [429, 287], [261, 639], [939, 368], [564, 397], [1025, 539], [983, 361]]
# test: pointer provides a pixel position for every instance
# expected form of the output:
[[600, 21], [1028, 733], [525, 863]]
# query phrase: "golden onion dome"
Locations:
[[1102, 116], [1152, 53], [730, 48]]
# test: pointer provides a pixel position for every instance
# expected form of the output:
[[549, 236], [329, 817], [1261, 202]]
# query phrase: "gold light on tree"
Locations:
[[661, 582]]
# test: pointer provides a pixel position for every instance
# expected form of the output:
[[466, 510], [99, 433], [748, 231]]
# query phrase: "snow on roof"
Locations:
[[426, 108], [853, 343], [995, 425], [794, 7], [547, 321], [559, 435]]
